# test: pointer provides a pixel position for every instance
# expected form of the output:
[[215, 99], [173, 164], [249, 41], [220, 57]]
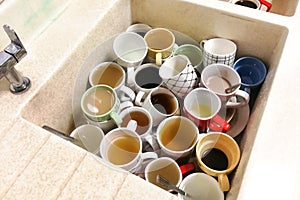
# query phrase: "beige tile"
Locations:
[[93, 180], [48, 172], [135, 188], [17, 148]]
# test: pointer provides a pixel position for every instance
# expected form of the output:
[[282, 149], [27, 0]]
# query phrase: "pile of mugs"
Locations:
[[173, 98]]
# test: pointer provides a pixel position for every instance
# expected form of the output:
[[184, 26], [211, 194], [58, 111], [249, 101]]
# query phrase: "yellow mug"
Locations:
[[218, 154], [160, 42]]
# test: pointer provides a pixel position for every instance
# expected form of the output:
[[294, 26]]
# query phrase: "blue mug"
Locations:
[[252, 72]]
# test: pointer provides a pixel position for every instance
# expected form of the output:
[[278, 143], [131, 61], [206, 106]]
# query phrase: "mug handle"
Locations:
[[219, 124], [116, 118], [126, 94], [125, 105], [138, 99], [201, 45], [245, 99], [158, 58], [223, 182], [267, 4], [132, 125], [148, 155], [130, 76]]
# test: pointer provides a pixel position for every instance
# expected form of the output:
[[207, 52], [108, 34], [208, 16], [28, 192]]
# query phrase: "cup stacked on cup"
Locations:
[[173, 97]]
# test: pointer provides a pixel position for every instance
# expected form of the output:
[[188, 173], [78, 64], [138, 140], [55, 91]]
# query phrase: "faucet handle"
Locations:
[[15, 48]]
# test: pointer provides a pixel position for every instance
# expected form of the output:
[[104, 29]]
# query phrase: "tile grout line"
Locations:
[[72, 174], [21, 171]]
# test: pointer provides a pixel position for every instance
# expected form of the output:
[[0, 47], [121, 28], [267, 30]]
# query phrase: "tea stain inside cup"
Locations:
[[110, 75], [215, 159], [99, 101]]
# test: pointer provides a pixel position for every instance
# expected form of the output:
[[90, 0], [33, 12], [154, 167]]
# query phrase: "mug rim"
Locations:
[[228, 68], [159, 29], [215, 172], [91, 89], [171, 160], [103, 64], [142, 67], [211, 93], [158, 133], [252, 59], [141, 109], [103, 151], [228, 41], [119, 56]]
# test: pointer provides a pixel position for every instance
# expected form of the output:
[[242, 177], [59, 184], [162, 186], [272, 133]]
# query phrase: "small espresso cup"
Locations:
[[130, 49], [178, 75], [252, 72], [113, 75], [218, 154], [201, 186], [202, 107], [160, 43], [218, 78], [194, 54], [218, 50], [160, 102], [141, 117], [122, 148], [255, 4], [165, 167], [177, 136], [89, 136], [100, 103], [145, 78]]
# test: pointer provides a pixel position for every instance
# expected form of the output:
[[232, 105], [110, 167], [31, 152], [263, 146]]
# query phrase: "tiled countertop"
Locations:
[[38, 165]]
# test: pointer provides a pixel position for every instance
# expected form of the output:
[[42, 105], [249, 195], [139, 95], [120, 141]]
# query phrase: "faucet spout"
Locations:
[[11, 55]]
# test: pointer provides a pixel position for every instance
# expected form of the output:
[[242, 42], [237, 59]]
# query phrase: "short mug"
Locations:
[[218, 50], [122, 148], [219, 77], [160, 43], [202, 107], [218, 154]]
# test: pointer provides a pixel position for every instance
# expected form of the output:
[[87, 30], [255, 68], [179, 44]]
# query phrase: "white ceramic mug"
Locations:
[[165, 167], [145, 78], [219, 77], [201, 186], [177, 136], [90, 136], [112, 74], [130, 49], [141, 117], [178, 75], [160, 102], [218, 50], [122, 148]]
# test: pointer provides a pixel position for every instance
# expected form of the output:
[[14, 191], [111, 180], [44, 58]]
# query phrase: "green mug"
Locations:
[[100, 103]]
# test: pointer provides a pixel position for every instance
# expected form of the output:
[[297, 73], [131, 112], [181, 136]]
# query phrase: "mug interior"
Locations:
[[108, 73], [173, 66], [251, 70], [163, 101], [147, 76], [213, 75], [193, 52], [199, 97], [98, 101], [130, 47], [159, 39], [223, 143], [167, 168], [121, 147]]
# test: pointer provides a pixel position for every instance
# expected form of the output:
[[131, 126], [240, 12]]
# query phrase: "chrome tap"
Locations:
[[9, 57]]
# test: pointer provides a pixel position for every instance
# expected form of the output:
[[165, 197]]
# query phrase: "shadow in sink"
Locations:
[[52, 105]]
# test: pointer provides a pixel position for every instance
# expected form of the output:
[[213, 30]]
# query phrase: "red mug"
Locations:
[[202, 106]]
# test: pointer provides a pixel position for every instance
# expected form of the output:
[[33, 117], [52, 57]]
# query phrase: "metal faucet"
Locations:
[[9, 57]]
